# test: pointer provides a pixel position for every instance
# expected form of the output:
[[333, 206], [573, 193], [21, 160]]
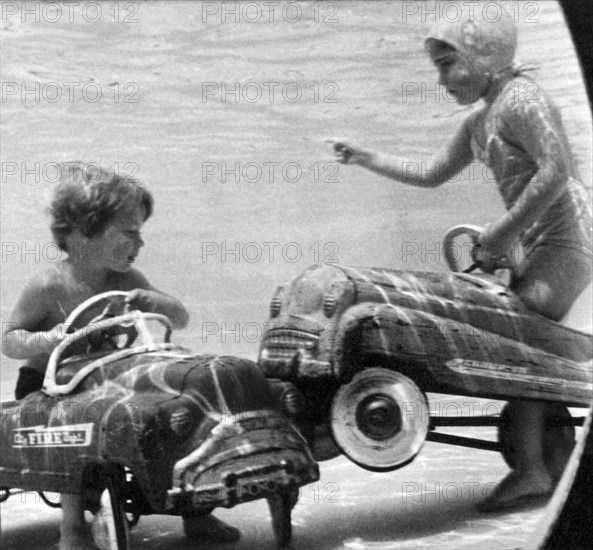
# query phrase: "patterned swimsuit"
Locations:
[[523, 124]]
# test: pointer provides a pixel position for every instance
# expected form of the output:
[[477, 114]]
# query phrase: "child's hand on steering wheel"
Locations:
[[492, 250], [142, 299], [55, 336]]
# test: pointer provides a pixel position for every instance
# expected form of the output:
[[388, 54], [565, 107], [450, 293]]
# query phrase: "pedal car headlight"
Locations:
[[292, 401], [181, 422], [330, 300]]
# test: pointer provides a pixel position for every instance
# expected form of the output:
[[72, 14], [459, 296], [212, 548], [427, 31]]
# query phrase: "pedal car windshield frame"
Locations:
[[135, 319]]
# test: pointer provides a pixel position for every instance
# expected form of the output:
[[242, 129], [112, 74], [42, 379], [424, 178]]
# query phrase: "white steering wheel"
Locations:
[[102, 333], [450, 250], [109, 304]]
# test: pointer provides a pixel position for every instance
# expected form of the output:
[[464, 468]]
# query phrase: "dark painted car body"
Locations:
[[184, 432], [454, 333], [195, 431]]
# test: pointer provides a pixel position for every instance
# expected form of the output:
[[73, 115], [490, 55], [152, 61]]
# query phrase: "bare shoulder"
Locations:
[[527, 114], [522, 93], [37, 307], [48, 282]]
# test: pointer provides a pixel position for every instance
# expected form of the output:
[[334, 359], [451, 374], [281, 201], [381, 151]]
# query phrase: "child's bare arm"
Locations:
[[22, 337], [448, 161], [147, 298]]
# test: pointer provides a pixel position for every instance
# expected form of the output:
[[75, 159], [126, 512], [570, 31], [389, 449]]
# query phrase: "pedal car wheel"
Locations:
[[281, 504], [380, 419], [110, 528], [558, 441]]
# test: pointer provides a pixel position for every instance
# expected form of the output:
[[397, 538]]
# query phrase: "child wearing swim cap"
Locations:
[[518, 133], [97, 218]]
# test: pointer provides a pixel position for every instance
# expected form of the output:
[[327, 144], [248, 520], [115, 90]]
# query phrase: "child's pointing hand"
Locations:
[[346, 152]]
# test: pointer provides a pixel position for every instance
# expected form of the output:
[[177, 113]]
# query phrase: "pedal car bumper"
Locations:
[[246, 457]]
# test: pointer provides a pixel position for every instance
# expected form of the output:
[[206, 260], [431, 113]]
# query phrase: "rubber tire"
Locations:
[[345, 404]]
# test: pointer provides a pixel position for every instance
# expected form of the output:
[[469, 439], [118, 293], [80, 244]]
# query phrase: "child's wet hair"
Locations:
[[88, 197]]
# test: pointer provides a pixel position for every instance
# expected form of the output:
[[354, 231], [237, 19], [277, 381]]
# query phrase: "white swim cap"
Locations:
[[487, 39]]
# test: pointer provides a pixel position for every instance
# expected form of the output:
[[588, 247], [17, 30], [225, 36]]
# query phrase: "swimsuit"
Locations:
[[523, 117]]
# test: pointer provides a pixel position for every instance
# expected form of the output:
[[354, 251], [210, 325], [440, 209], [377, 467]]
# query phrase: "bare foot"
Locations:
[[516, 489], [77, 541], [207, 528]]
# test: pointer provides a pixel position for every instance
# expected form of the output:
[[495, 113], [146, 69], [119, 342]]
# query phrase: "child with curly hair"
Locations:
[[97, 217]]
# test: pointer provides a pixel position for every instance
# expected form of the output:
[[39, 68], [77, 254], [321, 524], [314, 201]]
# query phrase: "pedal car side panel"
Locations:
[[453, 357], [155, 414], [449, 332], [46, 443], [480, 301]]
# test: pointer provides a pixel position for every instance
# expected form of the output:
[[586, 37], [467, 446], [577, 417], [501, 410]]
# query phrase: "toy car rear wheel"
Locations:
[[558, 439], [379, 419], [281, 504], [110, 528]]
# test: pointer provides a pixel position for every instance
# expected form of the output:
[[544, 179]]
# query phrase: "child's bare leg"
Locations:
[[74, 532], [207, 528], [558, 453], [530, 477], [551, 279], [548, 282]]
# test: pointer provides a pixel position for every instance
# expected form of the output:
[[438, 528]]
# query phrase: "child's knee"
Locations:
[[551, 280], [539, 297]]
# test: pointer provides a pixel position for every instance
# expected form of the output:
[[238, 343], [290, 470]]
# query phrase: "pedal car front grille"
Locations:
[[246, 457], [253, 482], [289, 353], [284, 343]]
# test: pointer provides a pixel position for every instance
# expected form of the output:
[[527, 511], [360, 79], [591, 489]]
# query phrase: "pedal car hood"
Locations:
[[205, 377], [211, 434], [196, 432]]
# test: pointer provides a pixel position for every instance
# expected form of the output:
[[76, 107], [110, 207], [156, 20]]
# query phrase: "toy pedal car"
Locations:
[[152, 426], [362, 346]]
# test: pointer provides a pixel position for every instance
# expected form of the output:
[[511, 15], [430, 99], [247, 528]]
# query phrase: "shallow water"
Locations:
[[222, 242]]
